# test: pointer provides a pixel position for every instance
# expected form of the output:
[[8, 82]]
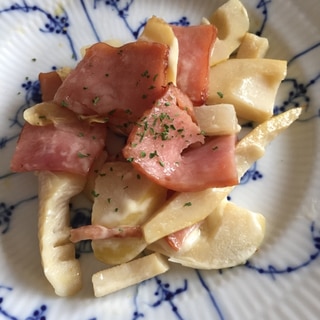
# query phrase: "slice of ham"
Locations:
[[118, 83], [177, 239], [49, 84], [98, 232], [195, 45], [212, 165], [164, 146], [70, 147]]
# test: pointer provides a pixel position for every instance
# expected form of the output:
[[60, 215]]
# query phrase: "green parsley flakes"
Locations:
[[153, 154], [83, 155], [220, 94], [94, 194], [64, 103], [95, 100]]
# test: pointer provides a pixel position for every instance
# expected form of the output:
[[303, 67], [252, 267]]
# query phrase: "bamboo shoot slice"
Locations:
[[218, 119], [250, 85], [253, 47], [60, 266], [228, 237], [232, 22], [128, 274], [157, 30]]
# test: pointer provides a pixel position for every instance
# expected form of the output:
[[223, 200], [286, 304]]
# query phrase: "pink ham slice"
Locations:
[[177, 239], [164, 146], [117, 83], [195, 45], [98, 232], [69, 148], [49, 84]]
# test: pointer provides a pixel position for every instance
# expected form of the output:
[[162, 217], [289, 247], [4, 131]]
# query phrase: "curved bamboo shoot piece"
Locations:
[[60, 266]]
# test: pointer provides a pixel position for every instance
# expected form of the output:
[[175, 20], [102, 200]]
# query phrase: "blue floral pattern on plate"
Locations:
[[181, 294]]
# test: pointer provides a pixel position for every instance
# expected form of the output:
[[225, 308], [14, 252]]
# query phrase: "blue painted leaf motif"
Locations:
[[32, 96], [298, 94], [5, 217], [33, 91], [39, 314], [122, 9], [183, 21], [273, 271], [210, 294], [164, 294], [57, 24], [251, 174], [6, 214], [317, 242], [263, 4], [315, 236], [136, 315], [3, 142], [3, 312]]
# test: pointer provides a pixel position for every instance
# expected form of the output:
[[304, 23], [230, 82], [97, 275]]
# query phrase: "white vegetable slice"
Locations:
[[60, 266], [128, 274], [218, 119], [157, 30], [182, 210], [45, 113], [123, 197], [187, 208], [229, 236], [250, 85], [48, 112], [232, 22], [252, 47]]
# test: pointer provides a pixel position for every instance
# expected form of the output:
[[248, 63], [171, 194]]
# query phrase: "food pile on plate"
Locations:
[[149, 131]]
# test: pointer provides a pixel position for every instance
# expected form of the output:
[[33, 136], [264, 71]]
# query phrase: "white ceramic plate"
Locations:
[[280, 282]]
